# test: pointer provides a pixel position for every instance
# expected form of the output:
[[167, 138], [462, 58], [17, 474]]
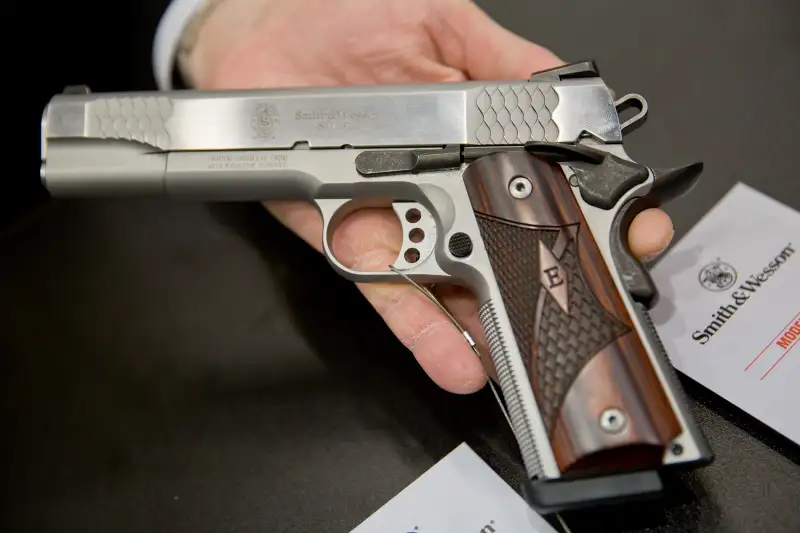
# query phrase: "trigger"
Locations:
[[419, 234]]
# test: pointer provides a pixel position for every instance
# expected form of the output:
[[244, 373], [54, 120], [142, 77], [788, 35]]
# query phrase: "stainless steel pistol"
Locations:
[[520, 190]]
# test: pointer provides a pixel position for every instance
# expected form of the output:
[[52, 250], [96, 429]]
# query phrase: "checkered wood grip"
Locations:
[[556, 344]]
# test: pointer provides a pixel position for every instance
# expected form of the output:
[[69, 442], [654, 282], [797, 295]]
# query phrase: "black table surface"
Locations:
[[196, 368]]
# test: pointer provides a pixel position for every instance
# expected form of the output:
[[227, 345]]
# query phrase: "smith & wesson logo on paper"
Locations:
[[720, 277], [717, 276]]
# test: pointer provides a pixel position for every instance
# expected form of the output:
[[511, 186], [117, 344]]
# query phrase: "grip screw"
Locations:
[[612, 420], [520, 187]]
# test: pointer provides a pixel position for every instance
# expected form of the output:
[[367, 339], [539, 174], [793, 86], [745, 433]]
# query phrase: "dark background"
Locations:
[[183, 367]]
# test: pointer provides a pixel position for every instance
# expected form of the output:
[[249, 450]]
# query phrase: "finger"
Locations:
[[463, 305], [438, 347], [650, 233], [300, 217], [471, 41], [369, 240]]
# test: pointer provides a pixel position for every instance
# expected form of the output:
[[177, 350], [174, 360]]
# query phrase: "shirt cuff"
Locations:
[[168, 36]]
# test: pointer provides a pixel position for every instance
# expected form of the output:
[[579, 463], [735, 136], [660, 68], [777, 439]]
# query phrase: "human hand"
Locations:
[[248, 44]]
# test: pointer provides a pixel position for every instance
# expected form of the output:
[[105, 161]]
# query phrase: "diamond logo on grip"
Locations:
[[552, 277]]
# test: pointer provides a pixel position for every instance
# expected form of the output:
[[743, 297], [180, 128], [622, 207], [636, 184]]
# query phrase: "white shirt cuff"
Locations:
[[168, 35]]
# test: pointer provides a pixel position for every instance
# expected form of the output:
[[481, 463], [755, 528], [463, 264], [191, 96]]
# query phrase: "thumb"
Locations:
[[472, 42]]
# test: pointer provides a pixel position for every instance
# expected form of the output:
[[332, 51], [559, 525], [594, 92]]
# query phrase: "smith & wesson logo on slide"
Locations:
[[720, 276], [264, 121]]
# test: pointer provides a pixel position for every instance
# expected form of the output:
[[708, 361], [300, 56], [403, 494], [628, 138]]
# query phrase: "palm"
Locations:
[[318, 42]]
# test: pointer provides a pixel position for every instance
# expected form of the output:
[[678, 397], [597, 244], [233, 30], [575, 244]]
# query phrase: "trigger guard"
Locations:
[[333, 211]]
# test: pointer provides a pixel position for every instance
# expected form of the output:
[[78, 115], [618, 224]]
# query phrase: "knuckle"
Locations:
[[418, 338]]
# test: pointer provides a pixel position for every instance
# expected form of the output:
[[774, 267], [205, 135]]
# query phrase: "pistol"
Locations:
[[520, 190]]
